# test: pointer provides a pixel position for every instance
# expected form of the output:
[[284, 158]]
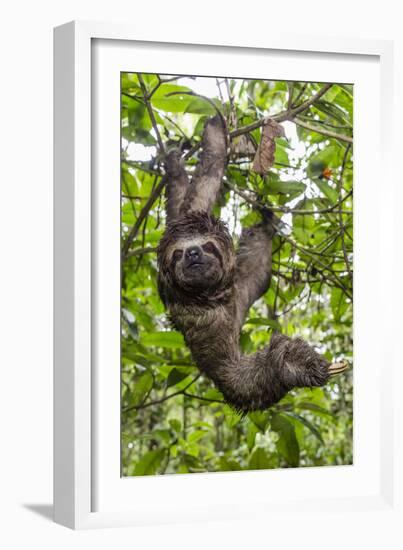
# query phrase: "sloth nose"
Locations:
[[193, 253]]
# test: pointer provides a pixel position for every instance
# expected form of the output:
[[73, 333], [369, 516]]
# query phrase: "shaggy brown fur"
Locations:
[[208, 288]]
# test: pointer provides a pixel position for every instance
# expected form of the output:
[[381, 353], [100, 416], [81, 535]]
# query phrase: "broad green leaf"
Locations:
[[260, 418], [315, 408], [259, 460], [176, 376], [251, 435], [149, 463], [306, 423], [168, 339], [285, 187], [229, 464], [338, 303], [196, 436], [263, 322], [200, 106], [287, 443], [329, 192], [142, 387], [232, 417], [176, 425], [168, 88], [214, 394]]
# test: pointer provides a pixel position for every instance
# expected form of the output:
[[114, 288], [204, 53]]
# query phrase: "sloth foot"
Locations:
[[299, 364]]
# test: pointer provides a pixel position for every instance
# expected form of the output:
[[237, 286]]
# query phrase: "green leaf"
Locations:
[[229, 464], [251, 435], [149, 463], [260, 419], [315, 408], [213, 393], [307, 424], [168, 339], [264, 322], [176, 425], [280, 154], [196, 436], [259, 460], [232, 417], [200, 106], [338, 303], [142, 387], [303, 227], [287, 444], [285, 187], [168, 88], [329, 192], [332, 110], [176, 376]]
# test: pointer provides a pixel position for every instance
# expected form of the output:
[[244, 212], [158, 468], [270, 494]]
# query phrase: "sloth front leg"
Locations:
[[177, 184], [206, 182], [253, 266]]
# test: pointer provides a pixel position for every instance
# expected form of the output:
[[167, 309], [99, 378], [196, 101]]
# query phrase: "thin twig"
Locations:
[[142, 216], [300, 93], [151, 113], [203, 398], [159, 401], [141, 251]]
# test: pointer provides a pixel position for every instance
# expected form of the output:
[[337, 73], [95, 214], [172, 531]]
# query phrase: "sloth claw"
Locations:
[[337, 368]]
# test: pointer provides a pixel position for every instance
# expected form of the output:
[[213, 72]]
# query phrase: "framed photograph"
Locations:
[[218, 274]]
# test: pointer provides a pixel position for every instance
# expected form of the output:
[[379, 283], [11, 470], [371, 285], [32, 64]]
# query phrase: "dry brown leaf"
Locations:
[[264, 157]]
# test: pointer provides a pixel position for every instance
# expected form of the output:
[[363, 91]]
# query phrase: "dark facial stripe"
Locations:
[[211, 248]]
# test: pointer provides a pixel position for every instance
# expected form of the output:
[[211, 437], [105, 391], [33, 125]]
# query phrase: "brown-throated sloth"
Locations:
[[208, 287]]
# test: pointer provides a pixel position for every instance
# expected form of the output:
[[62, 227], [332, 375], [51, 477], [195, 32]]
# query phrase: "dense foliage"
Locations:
[[173, 419]]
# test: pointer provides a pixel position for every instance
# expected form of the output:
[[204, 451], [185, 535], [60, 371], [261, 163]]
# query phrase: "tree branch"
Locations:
[[323, 131], [288, 114], [287, 209]]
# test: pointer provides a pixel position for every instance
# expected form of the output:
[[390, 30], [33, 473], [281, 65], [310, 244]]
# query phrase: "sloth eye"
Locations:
[[177, 255], [209, 247]]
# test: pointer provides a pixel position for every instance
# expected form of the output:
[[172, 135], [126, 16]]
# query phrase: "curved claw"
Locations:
[[337, 368]]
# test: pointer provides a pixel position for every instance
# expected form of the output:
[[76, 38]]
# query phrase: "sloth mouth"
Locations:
[[194, 265]]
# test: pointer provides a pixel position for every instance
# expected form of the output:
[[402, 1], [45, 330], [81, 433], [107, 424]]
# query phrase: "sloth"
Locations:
[[208, 287]]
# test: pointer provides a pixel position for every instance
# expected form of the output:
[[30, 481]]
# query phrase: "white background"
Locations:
[[26, 263]]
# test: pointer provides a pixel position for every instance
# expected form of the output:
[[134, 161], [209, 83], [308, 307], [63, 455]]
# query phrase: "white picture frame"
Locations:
[[88, 491]]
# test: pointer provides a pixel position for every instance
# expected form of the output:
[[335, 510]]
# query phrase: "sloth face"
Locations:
[[197, 263], [196, 259]]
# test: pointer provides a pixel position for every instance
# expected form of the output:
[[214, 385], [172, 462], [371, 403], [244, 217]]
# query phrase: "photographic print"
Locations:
[[236, 274]]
